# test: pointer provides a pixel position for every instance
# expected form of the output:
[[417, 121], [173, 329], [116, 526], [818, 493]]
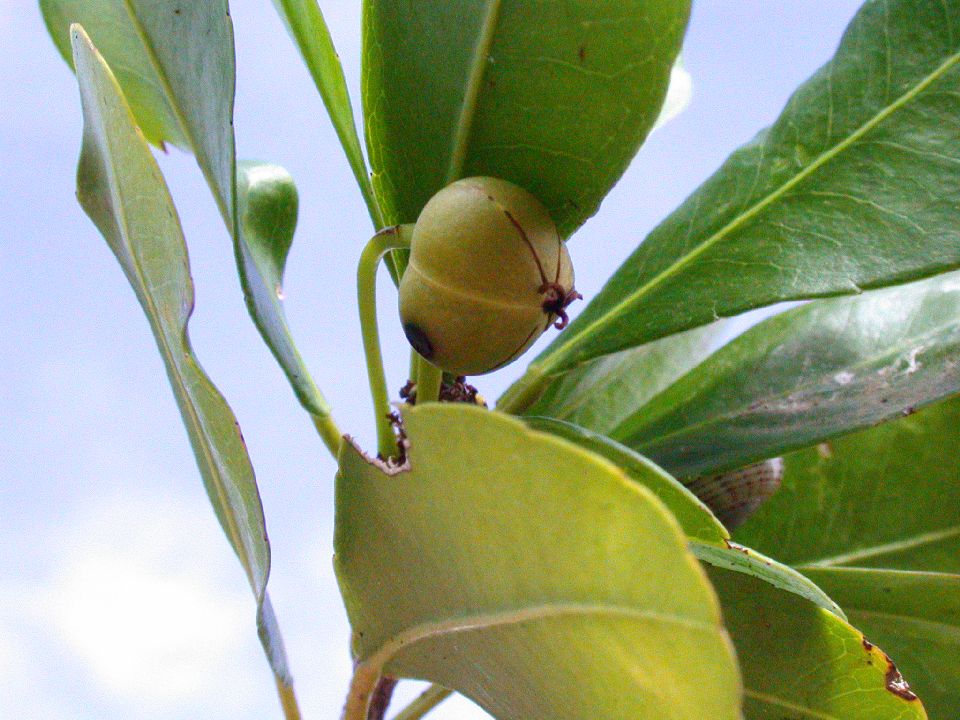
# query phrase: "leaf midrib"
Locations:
[[468, 109], [737, 412], [198, 149], [551, 363], [480, 621], [906, 543], [786, 704]]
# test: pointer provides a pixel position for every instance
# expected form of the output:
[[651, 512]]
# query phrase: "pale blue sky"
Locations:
[[120, 598]]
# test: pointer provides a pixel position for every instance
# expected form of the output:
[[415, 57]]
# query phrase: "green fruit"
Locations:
[[488, 273]]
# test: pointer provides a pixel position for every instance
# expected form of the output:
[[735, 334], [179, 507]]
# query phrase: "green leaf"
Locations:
[[709, 540], [875, 518], [188, 48], [855, 186], [915, 616], [800, 662], [121, 188], [605, 392], [741, 559], [116, 33], [309, 31], [820, 370], [694, 517], [554, 96], [268, 204], [527, 574], [181, 73]]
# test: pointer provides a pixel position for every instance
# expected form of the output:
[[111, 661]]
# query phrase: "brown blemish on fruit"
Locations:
[[582, 53]]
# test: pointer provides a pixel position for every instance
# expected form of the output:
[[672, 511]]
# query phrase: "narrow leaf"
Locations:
[[528, 575], [856, 185], [811, 373], [118, 36], [741, 559], [121, 188], [309, 31], [554, 96], [604, 393], [188, 48], [875, 518], [801, 662], [184, 53], [268, 217]]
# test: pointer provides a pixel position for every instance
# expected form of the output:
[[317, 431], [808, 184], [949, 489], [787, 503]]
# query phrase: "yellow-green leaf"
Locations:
[[526, 573]]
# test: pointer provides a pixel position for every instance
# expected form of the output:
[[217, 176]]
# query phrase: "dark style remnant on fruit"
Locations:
[[488, 273]]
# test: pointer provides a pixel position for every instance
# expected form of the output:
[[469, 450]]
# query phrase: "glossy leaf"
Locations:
[[875, 518], [855, 186], [603, 393], [309, 31], [467, 568], [800, 661], [554, 96], [709, 540], [122, 190], [811, 373]]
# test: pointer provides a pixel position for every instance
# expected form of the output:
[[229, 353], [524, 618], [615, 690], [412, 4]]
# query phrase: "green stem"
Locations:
[[329, 433], [429, 379], [392, 238], [288, 700], [427, 701]]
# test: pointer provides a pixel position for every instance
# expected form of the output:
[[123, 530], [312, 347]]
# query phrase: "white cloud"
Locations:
[[146, 633], [142, 607]]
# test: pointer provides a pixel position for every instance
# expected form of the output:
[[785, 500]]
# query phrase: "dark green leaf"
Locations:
[[820, 370], [801, 662], [556, 96], [122, 190], [875, 518], [526, 573], [857, 185], [306, 25]]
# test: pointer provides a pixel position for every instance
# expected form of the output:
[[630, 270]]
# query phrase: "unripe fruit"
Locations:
[[488, 273]]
